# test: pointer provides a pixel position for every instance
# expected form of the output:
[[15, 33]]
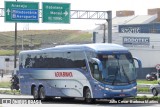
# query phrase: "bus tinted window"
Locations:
[[56, 60], [79, 60]]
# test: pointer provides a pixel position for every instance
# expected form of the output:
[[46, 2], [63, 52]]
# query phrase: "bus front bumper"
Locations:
[[121, 93]]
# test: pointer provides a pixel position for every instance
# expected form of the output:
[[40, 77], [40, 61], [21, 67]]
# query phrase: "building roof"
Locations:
[[142, 19], [122, 20], [139, 19]]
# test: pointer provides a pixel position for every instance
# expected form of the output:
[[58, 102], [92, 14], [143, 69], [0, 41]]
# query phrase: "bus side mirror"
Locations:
[[139, 62], [98, 62]]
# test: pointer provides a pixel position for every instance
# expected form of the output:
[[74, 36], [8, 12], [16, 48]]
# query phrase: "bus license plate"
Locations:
[[122, 95]]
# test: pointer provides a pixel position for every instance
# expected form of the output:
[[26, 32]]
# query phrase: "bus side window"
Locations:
[[27, 62], [79, 60]]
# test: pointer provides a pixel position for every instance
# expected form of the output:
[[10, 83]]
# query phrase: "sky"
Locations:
[[139, 6]]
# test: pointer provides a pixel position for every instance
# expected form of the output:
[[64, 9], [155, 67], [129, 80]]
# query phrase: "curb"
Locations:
[[5, 89]]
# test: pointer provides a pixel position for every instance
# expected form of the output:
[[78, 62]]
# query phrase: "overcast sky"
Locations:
[[139, 6]]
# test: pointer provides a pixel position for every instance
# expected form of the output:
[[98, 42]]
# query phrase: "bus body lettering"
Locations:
[[63, 74]]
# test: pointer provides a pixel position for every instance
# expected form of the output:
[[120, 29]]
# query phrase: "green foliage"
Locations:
[[5, 84], [12, 92], [143, 89], [7, 52], [147, 82], [142, 98], [37, 37]]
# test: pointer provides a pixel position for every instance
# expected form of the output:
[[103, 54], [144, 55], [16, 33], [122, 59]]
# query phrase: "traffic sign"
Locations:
[[21, 11], [55, 12], [158, 66]]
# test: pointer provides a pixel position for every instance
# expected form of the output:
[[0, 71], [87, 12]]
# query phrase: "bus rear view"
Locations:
[[90, 71]]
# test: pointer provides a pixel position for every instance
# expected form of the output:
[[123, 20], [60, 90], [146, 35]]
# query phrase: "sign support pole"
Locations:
[[15, 47], [109, 20]]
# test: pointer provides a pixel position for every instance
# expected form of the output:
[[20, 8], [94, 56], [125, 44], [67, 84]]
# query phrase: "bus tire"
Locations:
[[35, 93], [42, 95], [67, 98], [88, 97]]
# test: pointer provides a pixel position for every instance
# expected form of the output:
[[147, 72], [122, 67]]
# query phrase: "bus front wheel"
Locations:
[[35, 93], [88, 97]]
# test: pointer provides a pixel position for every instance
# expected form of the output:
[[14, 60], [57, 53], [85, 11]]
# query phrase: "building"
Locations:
[[7, 64], [140, 34]]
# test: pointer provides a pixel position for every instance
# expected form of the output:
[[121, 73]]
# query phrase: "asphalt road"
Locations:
[[69, 103]]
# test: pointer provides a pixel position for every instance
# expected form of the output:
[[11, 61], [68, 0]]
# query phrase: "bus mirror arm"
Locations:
[[98, 62], [139, 62]]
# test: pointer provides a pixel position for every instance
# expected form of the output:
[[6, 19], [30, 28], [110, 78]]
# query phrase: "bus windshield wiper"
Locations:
[[125, 75], [118, 69], [115, 76]]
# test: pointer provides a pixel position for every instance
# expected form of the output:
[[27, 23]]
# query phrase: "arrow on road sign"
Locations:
[[65, 13], [8, 11]]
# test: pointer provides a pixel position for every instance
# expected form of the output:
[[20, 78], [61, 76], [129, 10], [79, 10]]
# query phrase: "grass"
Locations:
[[12, 92], [143, 89], [5, 84], [147, 82], [7, 52], [39, 36], [156, 99], [35, 39]]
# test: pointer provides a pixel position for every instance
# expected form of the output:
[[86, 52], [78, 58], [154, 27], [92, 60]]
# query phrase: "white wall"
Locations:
[[9, 66], [149, 55]]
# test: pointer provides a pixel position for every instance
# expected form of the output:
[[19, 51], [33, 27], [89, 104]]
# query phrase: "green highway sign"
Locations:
[[21, 11], [55, 12]]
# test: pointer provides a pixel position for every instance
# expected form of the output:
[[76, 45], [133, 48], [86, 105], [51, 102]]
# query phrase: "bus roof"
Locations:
[[95, 47]]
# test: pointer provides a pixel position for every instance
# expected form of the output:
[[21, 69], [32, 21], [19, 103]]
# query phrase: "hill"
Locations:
[[43, 38]]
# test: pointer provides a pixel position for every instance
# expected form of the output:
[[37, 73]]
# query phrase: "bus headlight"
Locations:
[[107, 88], [134, 88], [101, 87]]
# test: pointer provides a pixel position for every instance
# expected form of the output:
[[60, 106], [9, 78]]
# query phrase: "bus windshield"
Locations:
[[118, 69]]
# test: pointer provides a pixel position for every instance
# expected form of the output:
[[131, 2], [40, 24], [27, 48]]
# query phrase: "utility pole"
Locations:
[[109, 20], [104, 33], [15, 48]]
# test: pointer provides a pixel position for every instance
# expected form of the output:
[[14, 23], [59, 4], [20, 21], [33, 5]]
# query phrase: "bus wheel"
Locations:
[[88, 98], [42, 93], [35, 93]]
